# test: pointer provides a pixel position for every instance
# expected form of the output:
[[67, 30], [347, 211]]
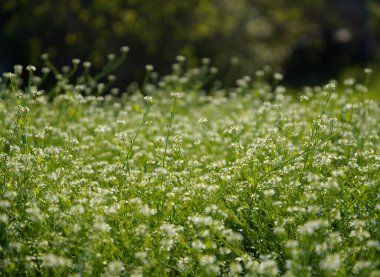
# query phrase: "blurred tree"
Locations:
[[256, 32]]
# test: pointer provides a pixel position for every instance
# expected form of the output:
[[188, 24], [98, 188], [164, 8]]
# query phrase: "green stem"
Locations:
[[12, 85], [169, 129], [208, 140], [315, 130], [30, 79], [112, 66], [133, 142]]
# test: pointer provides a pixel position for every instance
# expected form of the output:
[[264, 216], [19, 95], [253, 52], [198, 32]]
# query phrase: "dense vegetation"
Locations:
[[172, 181]]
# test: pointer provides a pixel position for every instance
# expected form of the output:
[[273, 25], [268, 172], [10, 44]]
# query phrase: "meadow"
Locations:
[[174, 180]]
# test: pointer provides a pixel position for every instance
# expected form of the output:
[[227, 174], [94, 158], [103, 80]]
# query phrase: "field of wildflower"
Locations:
[[173, 180]]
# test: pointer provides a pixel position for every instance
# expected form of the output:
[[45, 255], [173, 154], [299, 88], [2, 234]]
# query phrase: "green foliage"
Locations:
[[255, 183]]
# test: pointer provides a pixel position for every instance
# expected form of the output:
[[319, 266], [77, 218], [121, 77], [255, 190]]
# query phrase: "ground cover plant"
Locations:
[[169, 180]]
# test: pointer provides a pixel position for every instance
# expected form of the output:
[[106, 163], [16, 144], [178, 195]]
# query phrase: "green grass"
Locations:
[[253, 182]]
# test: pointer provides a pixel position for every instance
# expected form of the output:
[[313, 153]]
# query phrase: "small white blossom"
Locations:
[[31, 68], [76, 61], [149, 67], [278, 76], [86, 64], [203, 120], [176, 95], [124, 49], [148, 99], [53, 261], [111, 57]]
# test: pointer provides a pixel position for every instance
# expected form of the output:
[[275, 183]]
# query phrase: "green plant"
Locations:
[[280, 194]]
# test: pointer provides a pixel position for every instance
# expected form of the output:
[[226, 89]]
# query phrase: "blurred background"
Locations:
[[308, 41]]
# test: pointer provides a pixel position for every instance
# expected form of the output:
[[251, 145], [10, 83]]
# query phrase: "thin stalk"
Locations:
[[12, 85], [133, 141], [149, 69], [52, 67], [111, 66], [30, 79], [315, 129], [169, 130], [208, 140]]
